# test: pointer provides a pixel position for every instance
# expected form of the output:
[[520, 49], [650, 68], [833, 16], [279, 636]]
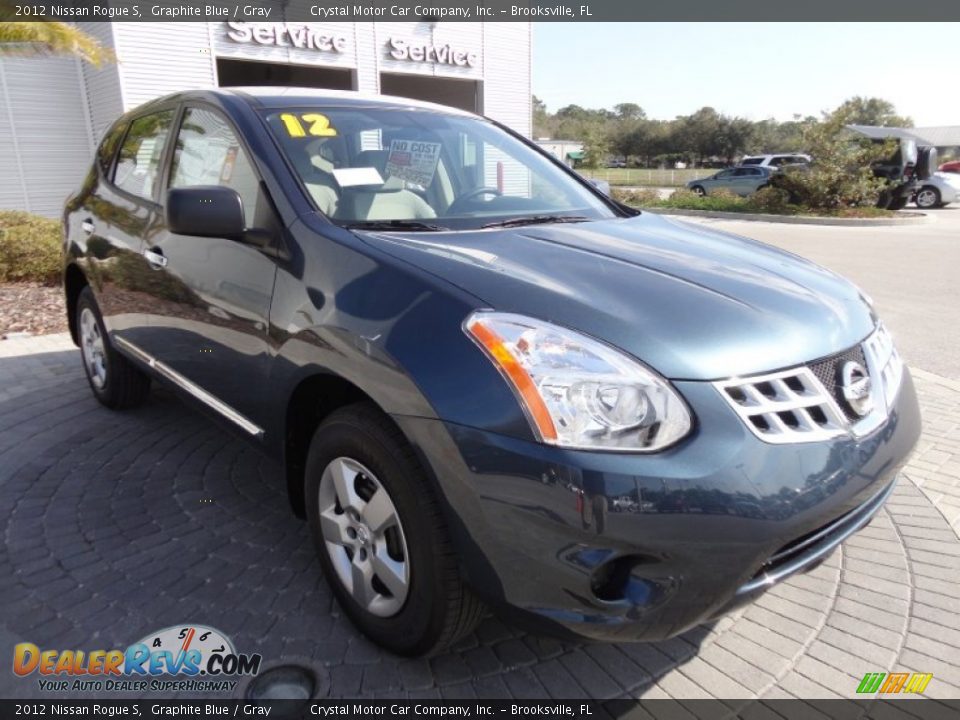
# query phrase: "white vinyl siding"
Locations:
[[507, 93], [102, 85], [159, 58], [45, 132]]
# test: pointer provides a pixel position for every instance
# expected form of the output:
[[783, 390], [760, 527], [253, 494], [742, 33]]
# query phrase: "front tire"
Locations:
[[115, 381], [928, 197], [698, 189], [380, 535]]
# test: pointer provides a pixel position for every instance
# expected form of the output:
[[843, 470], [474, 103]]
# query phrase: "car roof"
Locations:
[[267, 97]]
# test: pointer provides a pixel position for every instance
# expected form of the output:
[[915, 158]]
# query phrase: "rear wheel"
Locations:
[[928, 197], [116, 382], [897, 203], [380, 535]]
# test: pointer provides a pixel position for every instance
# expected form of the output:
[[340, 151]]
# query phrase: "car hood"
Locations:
[[691, 302]]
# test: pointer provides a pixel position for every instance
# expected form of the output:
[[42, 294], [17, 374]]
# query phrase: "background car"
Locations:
[[938, 190], [951, 167], [905, 172], [775, 161], [740, 180]]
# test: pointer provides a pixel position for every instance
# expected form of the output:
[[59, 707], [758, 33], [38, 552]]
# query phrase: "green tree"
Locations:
[[51, 38], [701, 133], [629, 111], [873, 111], [596, 148], [841, 173], [542, 122]]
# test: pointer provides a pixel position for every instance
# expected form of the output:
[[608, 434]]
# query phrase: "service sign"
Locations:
[[295, 35]]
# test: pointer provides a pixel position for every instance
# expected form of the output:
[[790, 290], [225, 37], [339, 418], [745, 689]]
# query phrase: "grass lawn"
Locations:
[[640, 177]]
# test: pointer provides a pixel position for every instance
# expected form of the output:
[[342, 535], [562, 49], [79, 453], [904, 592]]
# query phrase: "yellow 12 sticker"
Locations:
[[317, 125]]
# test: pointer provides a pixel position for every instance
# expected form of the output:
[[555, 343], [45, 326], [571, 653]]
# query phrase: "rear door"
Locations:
[[119, 215], [211, 296], [745, 180]]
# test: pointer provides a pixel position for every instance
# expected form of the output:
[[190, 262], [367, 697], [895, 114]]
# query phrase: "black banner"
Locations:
[[476, 10], [473, 709]]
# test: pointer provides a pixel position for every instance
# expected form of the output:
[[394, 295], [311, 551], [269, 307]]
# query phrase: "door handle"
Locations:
[[155, 259], [87, 226]]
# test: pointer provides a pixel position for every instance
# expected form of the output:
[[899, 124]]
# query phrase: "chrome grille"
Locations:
[[886, 367], [786, 406], [806, 404]]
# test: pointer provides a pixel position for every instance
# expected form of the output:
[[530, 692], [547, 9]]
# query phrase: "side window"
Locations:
[[108, 146], [138, 164], [209, 153]]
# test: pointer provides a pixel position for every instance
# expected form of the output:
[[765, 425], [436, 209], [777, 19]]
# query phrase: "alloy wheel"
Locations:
[[364, 537], [91, 346], [926, 198]]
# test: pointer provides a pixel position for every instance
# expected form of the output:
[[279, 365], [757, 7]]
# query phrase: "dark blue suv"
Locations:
[[487, 381]]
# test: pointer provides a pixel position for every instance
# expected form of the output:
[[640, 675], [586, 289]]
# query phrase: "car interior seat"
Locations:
[[389, 201], [317, 174]]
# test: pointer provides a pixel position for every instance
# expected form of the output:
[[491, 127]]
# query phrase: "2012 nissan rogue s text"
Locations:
[[488, 382]]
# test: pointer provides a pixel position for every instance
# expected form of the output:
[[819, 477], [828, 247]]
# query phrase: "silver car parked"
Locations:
[[740, 180]]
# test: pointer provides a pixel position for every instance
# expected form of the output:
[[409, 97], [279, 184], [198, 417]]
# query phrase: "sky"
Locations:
[[754, 70]]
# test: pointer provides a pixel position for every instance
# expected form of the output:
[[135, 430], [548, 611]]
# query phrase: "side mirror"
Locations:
[[601, 185], [926, 162], [205, 210]]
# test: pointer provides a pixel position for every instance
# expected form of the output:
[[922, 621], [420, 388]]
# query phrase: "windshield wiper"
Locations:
[[395, 225], [536, 220]]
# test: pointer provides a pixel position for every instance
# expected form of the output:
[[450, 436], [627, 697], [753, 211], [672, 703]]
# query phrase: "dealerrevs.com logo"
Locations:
[[202, 658]]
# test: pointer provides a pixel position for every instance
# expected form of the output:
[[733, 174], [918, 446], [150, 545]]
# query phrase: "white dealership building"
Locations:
[[53, 110]]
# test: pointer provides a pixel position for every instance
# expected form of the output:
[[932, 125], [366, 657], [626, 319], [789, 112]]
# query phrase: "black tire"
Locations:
[[439, 608], [698, 189], [898, 203], [123, 384], [928, 197]]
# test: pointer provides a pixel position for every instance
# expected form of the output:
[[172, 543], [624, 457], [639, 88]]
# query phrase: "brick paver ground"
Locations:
[[109, 534]]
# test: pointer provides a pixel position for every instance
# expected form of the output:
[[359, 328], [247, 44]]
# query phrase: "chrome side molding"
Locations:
[[189, 386]]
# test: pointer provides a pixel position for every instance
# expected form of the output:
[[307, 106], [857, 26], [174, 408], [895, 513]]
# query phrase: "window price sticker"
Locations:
[[413, 161]]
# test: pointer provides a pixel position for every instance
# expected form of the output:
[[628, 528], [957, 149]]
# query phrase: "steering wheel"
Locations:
[[455, 206]]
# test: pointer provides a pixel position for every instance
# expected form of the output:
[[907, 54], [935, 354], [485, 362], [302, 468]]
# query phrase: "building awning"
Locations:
[[575, 155]]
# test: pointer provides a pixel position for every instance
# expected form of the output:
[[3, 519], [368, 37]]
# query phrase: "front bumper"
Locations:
[[643, 547]]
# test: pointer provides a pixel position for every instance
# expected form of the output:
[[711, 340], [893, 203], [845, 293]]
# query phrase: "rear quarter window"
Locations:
[[138, 162], [108, 146]]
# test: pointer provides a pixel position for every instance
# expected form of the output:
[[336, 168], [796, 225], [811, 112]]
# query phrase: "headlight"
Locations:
[[578, 392]]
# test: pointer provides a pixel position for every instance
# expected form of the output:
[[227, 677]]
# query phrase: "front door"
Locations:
[[209, 323]]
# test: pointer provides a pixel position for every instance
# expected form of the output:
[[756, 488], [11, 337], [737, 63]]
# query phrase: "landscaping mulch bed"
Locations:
[[31, 308]]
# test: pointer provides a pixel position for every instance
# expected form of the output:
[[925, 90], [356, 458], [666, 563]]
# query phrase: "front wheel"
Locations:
[[927, 197], [698, 189], [115, 381], [380, 535]]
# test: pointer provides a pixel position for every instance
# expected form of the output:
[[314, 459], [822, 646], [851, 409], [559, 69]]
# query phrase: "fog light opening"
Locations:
[[609, 581]]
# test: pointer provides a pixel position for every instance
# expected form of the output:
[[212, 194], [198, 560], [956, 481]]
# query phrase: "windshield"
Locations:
[[424, 170]]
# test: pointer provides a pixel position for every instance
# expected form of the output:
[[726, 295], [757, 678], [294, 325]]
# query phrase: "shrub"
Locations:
[[720, 200], [770, 200], [643, 197], [841, 173], [29, 248]]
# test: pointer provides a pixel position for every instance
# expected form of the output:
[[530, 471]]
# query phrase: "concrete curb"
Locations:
[[912, 219]]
